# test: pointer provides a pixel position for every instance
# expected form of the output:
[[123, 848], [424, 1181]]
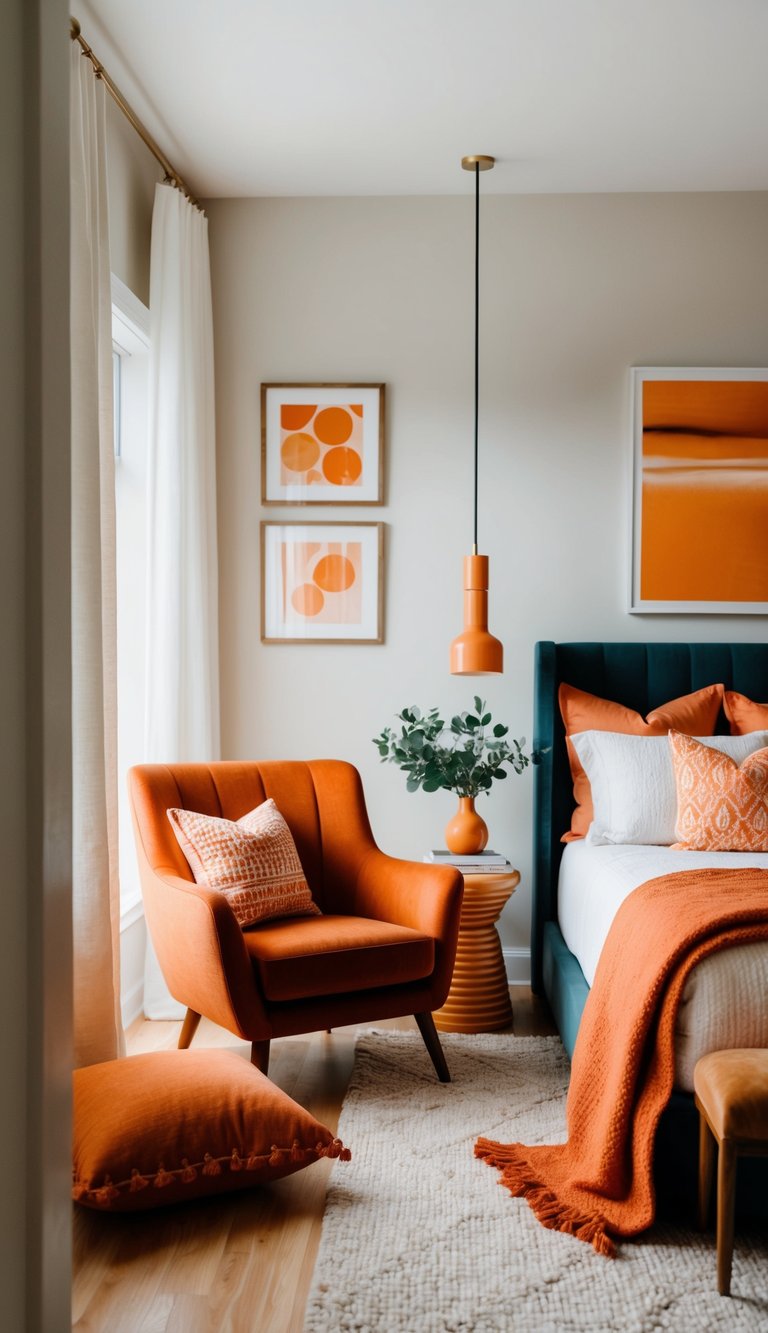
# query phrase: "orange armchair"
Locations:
[[384, 945]]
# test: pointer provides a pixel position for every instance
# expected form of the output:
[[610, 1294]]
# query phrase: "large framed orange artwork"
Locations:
[[322, 582], [322, 444], [700, 490]]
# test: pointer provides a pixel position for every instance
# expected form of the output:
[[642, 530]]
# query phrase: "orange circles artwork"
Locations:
[[323, 432], [322, 444], [321, 582]]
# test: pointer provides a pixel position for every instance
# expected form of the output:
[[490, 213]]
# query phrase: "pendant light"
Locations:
[[476, 652]]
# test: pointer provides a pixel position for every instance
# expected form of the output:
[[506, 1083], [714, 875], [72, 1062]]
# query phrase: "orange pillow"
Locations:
[[174, 1125], [253, 861], [721, 806], [695, 714], [744, 715]]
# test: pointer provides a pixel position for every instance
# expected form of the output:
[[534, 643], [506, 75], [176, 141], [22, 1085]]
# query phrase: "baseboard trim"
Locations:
[[517, 961], [132, 1003], [131, 913]]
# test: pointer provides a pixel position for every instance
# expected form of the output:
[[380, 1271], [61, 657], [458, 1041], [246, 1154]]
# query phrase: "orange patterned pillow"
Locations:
[[744, 714], [721, 806], [253, 861]]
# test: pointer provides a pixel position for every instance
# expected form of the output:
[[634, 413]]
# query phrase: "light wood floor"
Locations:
[[241, 1264]]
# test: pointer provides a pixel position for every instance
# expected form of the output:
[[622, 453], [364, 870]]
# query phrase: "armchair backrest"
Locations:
[[321, 801]]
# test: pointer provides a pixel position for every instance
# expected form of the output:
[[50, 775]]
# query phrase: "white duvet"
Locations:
[[725, 1001]]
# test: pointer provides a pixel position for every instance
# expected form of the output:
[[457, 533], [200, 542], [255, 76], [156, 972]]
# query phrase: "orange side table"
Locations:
[[478, 1000]]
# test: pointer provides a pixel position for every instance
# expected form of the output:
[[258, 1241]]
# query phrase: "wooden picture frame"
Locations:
[[322, 444], [322, 582], [699, 517]]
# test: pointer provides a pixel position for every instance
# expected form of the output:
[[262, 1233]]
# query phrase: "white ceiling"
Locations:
[[367, 97]]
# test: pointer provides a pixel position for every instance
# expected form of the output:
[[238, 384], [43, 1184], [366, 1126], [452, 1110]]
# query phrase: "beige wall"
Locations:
[[575, 289]]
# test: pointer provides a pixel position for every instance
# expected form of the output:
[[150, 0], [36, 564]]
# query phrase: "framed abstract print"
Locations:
[[322, 582], [322, 444], [699, 490]]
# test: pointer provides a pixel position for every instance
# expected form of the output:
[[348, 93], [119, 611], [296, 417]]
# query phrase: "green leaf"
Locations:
[[500, 729], [500, 773], [413, 784], [478, 704], [485, 719], [472, 721], [430, 784]]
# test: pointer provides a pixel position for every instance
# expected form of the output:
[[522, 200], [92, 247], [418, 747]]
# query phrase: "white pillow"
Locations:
[[633, 785]]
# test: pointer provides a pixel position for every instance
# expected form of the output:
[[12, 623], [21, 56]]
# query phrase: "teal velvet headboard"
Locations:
[[638, 675]]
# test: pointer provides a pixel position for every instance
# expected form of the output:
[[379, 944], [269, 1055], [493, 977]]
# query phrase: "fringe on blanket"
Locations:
[[551, 1211]]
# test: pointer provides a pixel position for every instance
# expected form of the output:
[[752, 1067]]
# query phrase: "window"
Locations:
[[117, 356], [130, 337]]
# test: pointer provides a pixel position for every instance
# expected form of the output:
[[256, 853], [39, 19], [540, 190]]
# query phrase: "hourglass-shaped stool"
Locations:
[[478, 1000]]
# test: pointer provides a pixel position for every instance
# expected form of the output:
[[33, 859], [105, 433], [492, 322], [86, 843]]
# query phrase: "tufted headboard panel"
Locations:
[[640, 676]]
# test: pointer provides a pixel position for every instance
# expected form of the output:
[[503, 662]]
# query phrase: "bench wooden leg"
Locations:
[[188, 1029], [260, 1055], [432, 1042], [706, 1163], [726, 1199]]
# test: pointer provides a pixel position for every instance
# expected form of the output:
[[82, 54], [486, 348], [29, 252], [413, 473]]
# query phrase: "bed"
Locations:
[[640, 676]]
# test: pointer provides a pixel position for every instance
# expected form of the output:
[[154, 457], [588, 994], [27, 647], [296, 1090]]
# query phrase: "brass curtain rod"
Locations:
[[171, 174]]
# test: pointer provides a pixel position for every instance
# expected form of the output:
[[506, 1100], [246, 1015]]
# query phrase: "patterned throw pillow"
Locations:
[[721, 806], [253, 861]]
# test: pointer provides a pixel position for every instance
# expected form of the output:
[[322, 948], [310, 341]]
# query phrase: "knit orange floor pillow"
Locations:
[[169, 1126]]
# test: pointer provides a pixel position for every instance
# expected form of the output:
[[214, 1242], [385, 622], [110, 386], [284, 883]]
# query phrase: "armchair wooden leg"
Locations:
[[260, 1055], [188, 1029], [432, 1042]]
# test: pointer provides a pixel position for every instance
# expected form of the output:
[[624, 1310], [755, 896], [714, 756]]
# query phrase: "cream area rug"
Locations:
[[419, 1236]]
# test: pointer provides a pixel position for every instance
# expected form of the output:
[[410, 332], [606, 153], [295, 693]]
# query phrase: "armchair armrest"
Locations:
[[409, 893], [363, 880], [416, 894], [201, 950]]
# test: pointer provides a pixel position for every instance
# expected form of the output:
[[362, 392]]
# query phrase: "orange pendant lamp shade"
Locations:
[[476, 652]]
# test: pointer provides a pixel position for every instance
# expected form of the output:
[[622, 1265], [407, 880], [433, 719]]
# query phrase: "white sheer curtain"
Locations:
[[182, 571], [96, 895]]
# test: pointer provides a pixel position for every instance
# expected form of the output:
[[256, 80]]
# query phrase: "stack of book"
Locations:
[[478, 863]]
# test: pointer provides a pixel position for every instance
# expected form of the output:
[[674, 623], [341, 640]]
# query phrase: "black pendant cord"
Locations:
[[477, 333]]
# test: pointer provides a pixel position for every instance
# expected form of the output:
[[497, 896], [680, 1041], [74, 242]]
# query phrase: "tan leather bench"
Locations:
[[731, 1089]]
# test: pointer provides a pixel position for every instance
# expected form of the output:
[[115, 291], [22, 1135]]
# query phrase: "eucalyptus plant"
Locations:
[[464, 756]]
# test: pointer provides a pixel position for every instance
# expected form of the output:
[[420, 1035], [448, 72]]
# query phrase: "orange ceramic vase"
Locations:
[[467, 832]]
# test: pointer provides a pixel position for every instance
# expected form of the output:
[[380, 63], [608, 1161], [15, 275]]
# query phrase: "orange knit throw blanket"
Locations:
[[599, 1183]]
